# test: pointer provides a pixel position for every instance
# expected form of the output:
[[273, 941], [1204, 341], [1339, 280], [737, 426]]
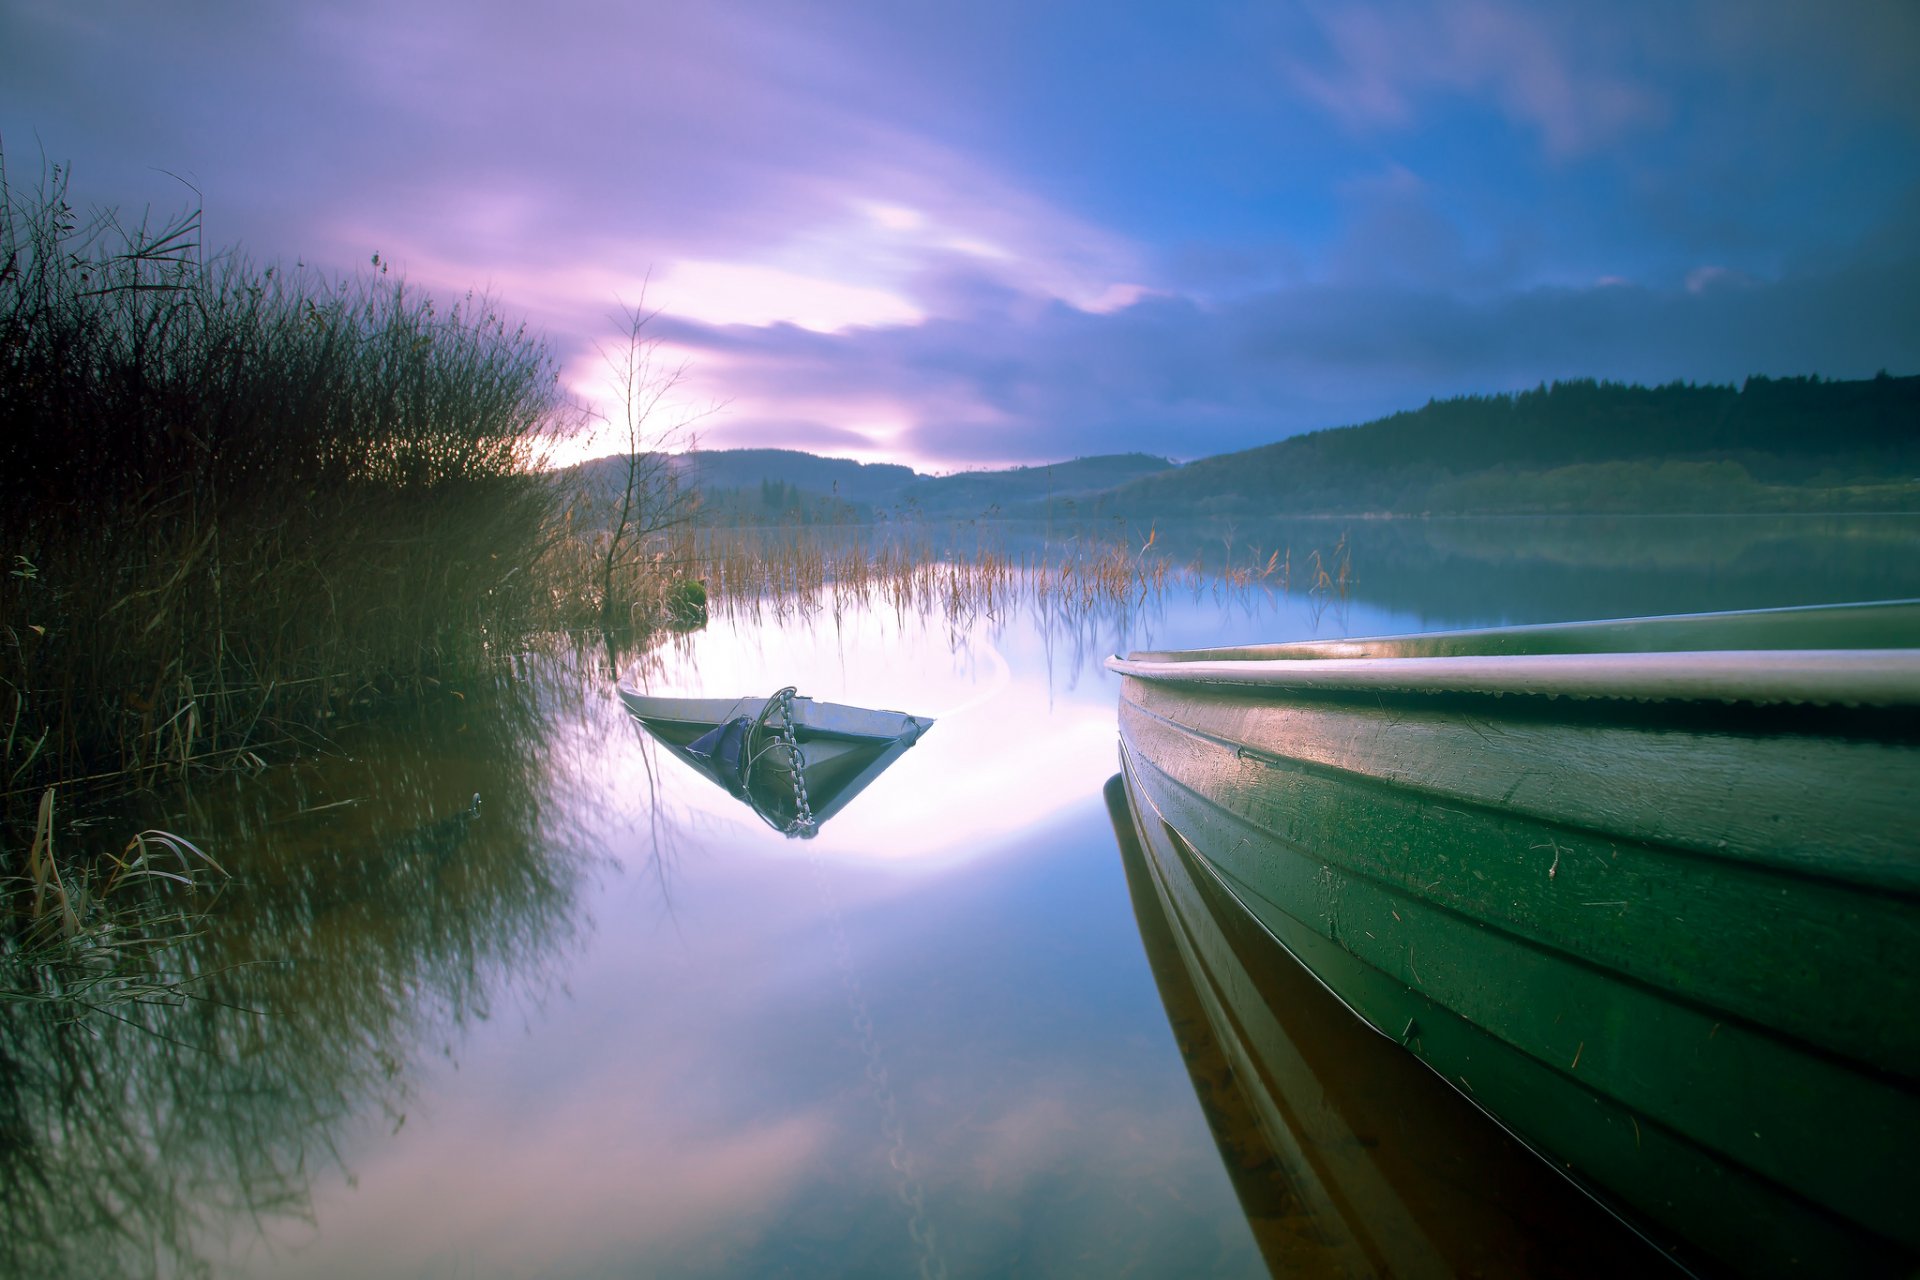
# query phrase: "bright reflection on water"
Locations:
[[617, 1026], [1023, 715], [926, 1040]]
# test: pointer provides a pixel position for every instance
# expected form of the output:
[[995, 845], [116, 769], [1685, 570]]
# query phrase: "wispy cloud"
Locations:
[[1383, 61]]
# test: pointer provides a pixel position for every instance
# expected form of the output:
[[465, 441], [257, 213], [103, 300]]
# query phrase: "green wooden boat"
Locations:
[[1349, 1157], [1647, 892], [794, 761]]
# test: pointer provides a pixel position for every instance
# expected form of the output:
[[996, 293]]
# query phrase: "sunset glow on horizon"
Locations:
[[1028, 236]]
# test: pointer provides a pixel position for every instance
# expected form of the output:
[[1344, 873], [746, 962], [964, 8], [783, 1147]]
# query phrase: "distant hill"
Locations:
[[864, 484], [762, 484], [1772, 444], [1027, 490]]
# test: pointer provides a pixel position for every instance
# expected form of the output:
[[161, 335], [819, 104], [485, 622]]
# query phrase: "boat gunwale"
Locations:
[[1819, 677], [676, 710], [1812, 627]]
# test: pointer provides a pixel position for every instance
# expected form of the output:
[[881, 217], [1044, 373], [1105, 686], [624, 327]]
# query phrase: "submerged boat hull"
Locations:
[[836, 751], [1658, 916]]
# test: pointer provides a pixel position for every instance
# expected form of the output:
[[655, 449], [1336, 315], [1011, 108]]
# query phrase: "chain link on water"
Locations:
[[906, 1182], [778, 716]]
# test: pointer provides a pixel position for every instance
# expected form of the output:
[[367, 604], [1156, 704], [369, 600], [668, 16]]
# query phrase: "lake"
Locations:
[[613, 1024]]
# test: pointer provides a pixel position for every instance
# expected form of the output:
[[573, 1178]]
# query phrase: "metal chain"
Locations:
[[907, 1186], [803, 823]]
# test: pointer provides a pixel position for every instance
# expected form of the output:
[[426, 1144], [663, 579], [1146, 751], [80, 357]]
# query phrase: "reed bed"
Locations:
[[236, 505], [234, 499], [644, 580], [805, 568]]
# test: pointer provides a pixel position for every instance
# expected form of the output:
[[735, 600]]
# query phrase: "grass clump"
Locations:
[[94, 939]]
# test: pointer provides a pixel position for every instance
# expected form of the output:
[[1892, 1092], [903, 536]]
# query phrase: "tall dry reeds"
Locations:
[[908, 570], [234, 499]]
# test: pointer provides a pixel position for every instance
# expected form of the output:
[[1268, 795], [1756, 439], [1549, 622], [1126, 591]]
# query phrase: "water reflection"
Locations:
[[374, 915], [1459, 572], [1349, 1157], [1017, 741], [617, 1025], [757, 1085]]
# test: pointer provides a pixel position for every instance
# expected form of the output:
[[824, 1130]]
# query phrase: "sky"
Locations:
[[959, 235]]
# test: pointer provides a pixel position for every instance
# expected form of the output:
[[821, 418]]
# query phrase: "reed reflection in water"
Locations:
[[373, 917], [702, 1099]]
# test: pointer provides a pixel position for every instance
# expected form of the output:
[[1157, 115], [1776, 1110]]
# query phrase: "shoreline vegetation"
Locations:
[[782, 568], [242, 507], [235, 496]]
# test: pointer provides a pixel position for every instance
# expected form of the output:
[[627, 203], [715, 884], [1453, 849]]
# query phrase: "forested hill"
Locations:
[[866, 484], [754, 485], [1771, 444], [1019, 488]]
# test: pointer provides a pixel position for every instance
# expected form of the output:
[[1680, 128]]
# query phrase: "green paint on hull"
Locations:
[[1675, 945], [1349, 1157]]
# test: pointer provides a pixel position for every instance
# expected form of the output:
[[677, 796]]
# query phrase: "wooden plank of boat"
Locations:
[[1657, 912], [841, 749]]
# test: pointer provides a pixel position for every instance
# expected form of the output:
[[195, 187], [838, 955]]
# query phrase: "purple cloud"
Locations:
[[1172, 375], [993, 234]]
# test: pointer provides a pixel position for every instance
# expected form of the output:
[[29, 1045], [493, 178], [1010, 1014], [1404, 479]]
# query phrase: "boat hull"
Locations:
[[1672, 941], [1348, 1157], [838, 750]]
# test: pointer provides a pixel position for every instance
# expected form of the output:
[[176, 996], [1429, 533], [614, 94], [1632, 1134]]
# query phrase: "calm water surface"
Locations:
[[617, 1026]]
